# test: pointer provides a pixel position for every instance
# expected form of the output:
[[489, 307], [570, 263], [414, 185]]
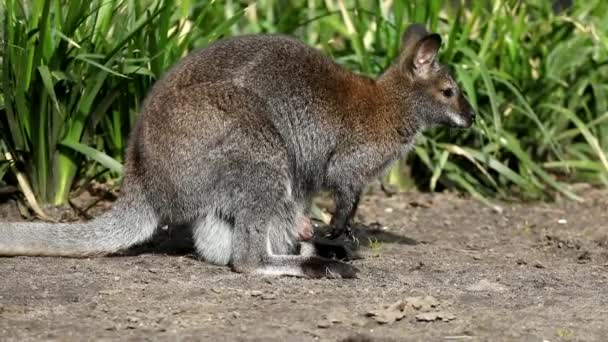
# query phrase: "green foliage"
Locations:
[[538, 81], [74, 73], [4, 164]]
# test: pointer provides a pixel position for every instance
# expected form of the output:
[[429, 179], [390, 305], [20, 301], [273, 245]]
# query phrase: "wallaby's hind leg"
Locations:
[[253, 195], [258, 241], [254, 245], [213, 237]]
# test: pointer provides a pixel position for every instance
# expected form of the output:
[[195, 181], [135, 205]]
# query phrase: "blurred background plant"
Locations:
[[74, 73]]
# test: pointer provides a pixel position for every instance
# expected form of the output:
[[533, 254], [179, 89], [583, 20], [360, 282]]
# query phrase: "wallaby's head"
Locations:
[[430, 86]]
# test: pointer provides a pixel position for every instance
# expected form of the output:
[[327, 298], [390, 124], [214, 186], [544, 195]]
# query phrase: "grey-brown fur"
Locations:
[[237, 137]]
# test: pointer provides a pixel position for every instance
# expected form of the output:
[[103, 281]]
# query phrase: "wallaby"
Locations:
[[235, 140]]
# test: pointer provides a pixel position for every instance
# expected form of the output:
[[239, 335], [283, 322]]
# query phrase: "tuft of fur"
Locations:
[[237, 138]]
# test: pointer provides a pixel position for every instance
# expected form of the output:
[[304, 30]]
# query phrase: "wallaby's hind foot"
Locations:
[[301, 266], [315, 260], [307, 264]]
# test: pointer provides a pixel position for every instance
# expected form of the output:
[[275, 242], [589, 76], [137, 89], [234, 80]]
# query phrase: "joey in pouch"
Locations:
[[235, 140]]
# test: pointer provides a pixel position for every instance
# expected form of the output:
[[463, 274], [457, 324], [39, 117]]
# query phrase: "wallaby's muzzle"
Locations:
[[467, 114]]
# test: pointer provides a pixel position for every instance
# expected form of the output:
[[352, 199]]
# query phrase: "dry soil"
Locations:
[[533, 272]]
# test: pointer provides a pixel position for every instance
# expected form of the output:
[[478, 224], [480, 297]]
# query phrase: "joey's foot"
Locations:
[[304, 228], [316, 267]]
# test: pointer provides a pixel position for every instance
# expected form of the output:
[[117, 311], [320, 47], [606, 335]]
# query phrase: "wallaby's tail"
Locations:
[[130, 221]]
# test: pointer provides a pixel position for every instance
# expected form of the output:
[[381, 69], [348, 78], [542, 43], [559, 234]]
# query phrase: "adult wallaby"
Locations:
[[237, 137]]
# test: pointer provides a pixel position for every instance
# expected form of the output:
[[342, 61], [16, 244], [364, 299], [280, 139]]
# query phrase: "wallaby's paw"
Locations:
[[350, 235], [331, 249], [325, 268], [334, 233]]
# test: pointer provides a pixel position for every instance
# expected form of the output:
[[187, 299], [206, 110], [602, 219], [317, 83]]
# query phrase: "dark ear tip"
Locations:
[[417, 29], [434, 36]]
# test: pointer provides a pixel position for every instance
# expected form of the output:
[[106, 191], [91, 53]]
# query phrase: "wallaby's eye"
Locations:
[[447, 92]]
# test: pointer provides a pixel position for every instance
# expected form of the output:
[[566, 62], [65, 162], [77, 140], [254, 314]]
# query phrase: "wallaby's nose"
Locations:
[[467, 110], [471, 116]]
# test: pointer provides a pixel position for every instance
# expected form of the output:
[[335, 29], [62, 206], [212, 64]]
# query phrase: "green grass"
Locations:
[[375, 246], [74, 73]]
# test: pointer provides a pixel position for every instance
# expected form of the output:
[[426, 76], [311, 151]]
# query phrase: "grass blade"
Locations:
[[96, 155]]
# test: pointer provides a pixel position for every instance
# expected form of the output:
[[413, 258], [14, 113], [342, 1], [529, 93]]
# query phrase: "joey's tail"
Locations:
[[130, 221]]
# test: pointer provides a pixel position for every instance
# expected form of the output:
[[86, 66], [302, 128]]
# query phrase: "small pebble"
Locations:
[[324, 324], [269, 296]]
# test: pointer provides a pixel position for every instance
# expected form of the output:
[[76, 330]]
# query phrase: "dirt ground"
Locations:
[[534, 272]]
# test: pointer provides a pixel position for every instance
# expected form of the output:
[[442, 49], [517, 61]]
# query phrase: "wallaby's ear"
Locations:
[[425, 54], [412, 35]]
